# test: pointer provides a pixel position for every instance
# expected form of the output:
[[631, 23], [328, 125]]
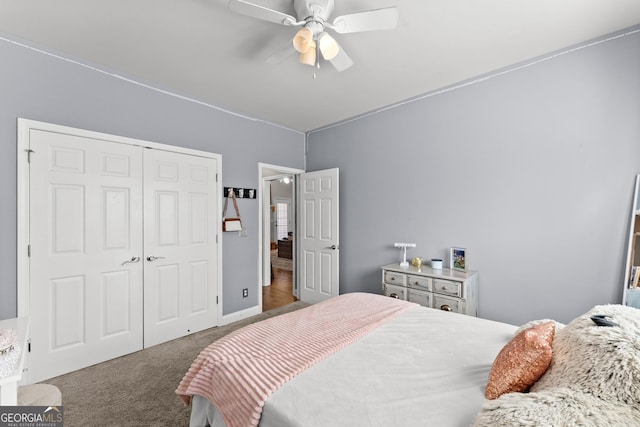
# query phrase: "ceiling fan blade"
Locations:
[[281, 54], [342, 61], [371, 20], [261, 12]]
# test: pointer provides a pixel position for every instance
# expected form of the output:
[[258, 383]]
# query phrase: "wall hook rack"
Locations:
[[241, 193]]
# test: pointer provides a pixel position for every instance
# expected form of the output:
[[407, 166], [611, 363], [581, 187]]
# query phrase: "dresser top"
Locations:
[[444, 273]]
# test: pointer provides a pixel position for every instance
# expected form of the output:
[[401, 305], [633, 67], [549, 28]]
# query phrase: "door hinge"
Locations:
[[216, 299], [216, 177], [216, 238], [29, 151], [29, 345], [28, 250]]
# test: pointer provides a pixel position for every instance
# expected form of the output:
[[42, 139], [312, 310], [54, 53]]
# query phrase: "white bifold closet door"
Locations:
[[123, 251], [179, 245]]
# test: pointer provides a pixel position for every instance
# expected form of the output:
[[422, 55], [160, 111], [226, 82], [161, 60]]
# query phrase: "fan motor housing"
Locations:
[[318, 8]]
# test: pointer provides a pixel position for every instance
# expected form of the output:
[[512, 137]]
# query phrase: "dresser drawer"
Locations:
[[448, 304], [395, 278], [419, 282], [444, 289], [394, 291], [447, 287], [420, 297]]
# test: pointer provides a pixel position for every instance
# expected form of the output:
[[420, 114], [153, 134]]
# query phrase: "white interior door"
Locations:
[[319, 235], [180, 268], [85, 222]]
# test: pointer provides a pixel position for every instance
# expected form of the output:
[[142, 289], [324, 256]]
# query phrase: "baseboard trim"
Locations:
[[240, 315]]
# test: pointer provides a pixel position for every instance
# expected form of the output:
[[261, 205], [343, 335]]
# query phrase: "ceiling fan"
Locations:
[[312, 40]]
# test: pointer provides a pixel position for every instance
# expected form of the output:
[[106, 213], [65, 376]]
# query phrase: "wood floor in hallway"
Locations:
[[280, 292]]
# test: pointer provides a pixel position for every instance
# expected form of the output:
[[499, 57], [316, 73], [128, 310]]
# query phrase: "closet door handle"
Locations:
[[153, 258], [133, 260]]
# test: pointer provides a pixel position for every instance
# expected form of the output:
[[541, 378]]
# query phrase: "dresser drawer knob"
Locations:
[[393, 278], [445, 307], [394, 295]]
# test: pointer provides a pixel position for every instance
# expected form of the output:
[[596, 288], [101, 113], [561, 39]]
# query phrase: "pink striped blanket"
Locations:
[[238, 372]]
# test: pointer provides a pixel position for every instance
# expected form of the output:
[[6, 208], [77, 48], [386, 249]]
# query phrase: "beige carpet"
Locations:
[[138, 389]]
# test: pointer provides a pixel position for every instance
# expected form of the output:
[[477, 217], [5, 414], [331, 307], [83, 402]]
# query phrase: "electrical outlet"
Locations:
[[245, 292]]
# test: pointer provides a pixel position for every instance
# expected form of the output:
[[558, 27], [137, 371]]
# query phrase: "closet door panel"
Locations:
[[180, 238], [85, 220]]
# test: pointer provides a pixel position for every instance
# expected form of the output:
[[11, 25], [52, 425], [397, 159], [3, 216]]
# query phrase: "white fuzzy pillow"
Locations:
[[538, 322], [593, 378], [603, 360]]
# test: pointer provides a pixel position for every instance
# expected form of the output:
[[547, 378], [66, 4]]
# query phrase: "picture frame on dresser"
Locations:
[[458, 258]]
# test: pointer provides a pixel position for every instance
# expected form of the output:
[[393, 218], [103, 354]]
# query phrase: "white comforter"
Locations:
[[423, 368]]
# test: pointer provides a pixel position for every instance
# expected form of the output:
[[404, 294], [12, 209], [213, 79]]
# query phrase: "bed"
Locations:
[[357, 359]]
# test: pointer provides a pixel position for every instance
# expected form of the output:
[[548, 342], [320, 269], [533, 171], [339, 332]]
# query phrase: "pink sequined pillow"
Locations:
[[522, 361]]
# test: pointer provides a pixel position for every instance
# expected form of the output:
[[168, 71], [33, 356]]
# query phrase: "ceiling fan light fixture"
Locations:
[[303, 39], [309, 57], [328, 46], [313, 16]]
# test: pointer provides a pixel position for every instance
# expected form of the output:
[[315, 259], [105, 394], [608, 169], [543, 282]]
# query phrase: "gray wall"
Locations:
[[41, 87], [531, 170]]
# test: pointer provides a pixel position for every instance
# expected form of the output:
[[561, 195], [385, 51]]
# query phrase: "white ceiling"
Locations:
[[202, 50]]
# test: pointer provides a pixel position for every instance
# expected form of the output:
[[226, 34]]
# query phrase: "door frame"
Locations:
[[269, 172], [23, 238]]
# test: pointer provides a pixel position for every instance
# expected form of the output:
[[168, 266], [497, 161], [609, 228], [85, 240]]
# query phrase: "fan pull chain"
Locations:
[[317, 61]]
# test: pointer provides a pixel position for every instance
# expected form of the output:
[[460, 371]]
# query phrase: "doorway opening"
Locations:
[[278, 236]]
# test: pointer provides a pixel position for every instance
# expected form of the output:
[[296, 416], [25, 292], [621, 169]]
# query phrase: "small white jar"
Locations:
[[436, 263]]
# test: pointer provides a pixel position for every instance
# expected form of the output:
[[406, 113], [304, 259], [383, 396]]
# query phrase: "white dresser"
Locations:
[[445, 289]]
